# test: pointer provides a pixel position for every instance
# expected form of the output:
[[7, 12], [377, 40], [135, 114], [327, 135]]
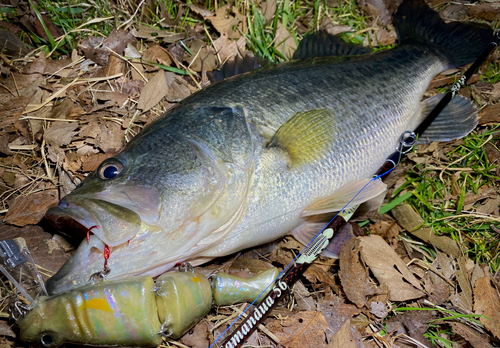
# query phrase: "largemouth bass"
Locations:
[[256, 156]]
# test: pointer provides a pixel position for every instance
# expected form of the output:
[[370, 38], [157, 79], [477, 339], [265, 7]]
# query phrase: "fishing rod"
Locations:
[[305, 258]]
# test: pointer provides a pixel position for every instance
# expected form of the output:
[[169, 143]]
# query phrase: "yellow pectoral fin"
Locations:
[[306, 135]]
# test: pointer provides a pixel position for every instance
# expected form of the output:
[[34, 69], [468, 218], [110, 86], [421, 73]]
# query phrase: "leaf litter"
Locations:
[[61, 117]]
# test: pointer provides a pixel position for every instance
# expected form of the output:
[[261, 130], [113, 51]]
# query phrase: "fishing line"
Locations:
[[377, 177]]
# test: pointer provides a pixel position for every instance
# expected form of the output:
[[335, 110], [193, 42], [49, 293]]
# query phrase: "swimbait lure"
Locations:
[[135, 311]]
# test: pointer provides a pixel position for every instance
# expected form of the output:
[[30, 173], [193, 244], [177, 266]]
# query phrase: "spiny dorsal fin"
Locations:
[[237, 66], [322, 44], [306, 135]]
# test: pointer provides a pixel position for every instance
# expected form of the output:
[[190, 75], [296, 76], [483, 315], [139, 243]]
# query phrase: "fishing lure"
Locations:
[[135, 311]]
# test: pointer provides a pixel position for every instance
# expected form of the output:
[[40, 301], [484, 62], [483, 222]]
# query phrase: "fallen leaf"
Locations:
[[300, 330], [389, 269], [110, 139], [343, 338], [60, 133], [417, 323], [98, 49], [227, 48], [317, 275], [353, 275], [389, 230], [378, 309], [380, 8], [284, 42], [410, 220], [197, 337], [489, 205], [484, 11], [25, 210], [490, 114], [487, 303], [303, 297], [157, 54], [336, 312], [223, 22], [476, 339], [177, 90], [465, 296], [268, 9], [150, 33], [11, 45], [153, 92]]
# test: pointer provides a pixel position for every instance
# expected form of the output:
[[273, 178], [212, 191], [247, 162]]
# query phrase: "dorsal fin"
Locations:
[[237, 66], [322, 44]]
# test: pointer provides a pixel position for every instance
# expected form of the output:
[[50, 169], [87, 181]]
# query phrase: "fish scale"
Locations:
[[258, 155]]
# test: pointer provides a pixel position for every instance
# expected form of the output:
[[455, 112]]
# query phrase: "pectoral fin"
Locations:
[[305, 136], [346, 193]]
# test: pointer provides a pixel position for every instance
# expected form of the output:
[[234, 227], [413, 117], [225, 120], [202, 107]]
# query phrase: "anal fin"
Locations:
[[354, 190]]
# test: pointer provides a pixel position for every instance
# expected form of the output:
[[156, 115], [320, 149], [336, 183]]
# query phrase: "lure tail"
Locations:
[[460, 43]]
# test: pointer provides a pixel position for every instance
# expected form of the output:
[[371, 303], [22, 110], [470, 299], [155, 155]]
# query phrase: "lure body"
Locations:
[[134, 311]]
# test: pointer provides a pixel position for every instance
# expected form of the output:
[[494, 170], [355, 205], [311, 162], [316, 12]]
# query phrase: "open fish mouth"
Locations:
[[70, 220]]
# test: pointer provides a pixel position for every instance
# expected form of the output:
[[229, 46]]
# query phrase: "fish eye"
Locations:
[[108, 170], [47, 339]]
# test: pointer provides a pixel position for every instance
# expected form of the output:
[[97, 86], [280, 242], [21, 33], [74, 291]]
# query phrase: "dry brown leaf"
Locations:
[[487, 303], [303, 297], [153, 92], [284, 42], [484, 11], [410, 220], [223, 22], [353, 275], [152, 34], [201, 58], [476, 339], [300, 330], [382, 37], [489, 206], [178, 90], [317, 275], [343, 338], [417, 323], [389, 230], [110, 139], [389, 269], [268, 9], [336, 312], [227, 48], [25, 210], [465, 297], [98, 49], [157, 54], [60, 133], [197, 337], [378, 309], [490, 114]]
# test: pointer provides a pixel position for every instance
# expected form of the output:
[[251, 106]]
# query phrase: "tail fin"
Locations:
[[459, 42]]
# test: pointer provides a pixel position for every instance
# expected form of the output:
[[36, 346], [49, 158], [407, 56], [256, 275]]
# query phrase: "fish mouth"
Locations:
[[70, 220], [97, 224]]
